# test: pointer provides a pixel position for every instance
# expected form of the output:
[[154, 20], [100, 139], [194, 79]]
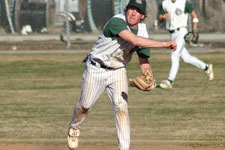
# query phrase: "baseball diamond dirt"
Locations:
[[42, 147]]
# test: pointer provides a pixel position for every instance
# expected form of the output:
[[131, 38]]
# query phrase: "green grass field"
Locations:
[[39, 91]]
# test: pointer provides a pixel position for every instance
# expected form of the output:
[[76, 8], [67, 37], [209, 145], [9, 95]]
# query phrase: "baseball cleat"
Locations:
[[165, 84], [209, 72], [73, 135]]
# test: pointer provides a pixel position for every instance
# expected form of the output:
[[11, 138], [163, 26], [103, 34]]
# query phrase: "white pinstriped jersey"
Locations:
[[115, 52], [177, 16]]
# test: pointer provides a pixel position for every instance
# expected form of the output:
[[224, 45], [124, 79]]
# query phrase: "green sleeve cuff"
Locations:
[[144, 52], [188, 7], [161, 10]]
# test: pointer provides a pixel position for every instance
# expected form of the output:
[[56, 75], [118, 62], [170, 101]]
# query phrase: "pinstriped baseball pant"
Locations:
[[95, 81]]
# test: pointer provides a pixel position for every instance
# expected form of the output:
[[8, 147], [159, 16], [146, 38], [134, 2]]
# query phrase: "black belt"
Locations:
[[101, 65], [172, 31]]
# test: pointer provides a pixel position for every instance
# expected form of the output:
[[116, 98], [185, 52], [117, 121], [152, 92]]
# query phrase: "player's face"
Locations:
[[133, 17]]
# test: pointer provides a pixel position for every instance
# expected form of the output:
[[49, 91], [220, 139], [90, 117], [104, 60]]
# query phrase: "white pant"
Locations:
[[181, 51], [95, 81]]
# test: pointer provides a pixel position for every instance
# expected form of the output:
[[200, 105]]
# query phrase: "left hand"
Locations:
[[145, 82]]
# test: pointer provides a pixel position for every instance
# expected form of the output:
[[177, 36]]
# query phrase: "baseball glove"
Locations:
[[144, 82], [191, 37]]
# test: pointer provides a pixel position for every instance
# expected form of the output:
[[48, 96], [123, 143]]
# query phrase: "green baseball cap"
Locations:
[[140, 4]]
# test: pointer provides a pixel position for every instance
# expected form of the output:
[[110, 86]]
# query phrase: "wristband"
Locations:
[[195, 20]]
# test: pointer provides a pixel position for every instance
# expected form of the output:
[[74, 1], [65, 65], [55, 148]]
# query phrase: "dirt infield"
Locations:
[[42, 147]]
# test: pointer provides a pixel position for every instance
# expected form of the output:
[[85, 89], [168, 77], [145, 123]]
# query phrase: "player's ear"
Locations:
[[142, 17]]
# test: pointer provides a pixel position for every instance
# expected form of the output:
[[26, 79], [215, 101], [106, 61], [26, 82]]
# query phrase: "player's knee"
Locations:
[[121, 106], [82, 109], [186, 59], [121, 103]]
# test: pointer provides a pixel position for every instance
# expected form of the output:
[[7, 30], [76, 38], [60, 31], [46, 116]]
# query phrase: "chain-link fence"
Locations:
[[49, 16]]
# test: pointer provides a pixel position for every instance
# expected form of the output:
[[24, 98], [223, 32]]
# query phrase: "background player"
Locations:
[[106, 69], [175, 12]]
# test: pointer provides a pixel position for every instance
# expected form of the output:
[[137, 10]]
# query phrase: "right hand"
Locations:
[[171, 45], [166, 16]]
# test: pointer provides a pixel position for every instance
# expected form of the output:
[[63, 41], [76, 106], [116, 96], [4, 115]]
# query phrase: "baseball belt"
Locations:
[[172, 31], [101, 65]]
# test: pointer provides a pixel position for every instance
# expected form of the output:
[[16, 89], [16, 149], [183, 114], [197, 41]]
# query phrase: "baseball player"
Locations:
[[105, 69], [175, 12]]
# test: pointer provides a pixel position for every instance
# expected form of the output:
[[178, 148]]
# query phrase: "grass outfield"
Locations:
[[39, 91]]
